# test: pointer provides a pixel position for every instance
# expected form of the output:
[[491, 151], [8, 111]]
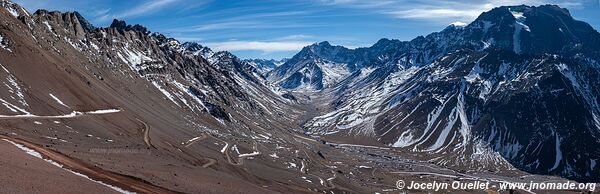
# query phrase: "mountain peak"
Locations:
[[197, 49], [121, 25], [504, 12], [455, 25], [320, 44], [84, 23], [458, 24], [13, 8], [192, 46], [383, 41], [322, 50], [528, 29], [324, 43]]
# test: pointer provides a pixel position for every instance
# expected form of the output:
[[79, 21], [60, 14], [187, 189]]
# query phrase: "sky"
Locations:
[[275, 29]]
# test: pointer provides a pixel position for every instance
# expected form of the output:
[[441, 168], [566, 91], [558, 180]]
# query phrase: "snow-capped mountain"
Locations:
[[263, 66], [315, 67], [497, 92], [523, 29], [199, 50]]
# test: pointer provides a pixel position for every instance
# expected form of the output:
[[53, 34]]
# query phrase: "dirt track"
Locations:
[[196, 139], [146, 132], [122, 181]]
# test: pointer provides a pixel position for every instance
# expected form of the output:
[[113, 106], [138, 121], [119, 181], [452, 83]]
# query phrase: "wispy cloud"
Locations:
[[264, 46], [296, 37], [148, 7], [221, 26], [101, 12], [440, 10], [188, 38], [359, 3], [434, 13], [239, 25]]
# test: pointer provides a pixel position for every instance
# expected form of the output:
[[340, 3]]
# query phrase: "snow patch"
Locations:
[[70, 115], [165, 92], [292, 165], [13, 108], [48, 26], [519, 26], [404, 140], [225, 147], [133, 58], [58, 100], [559, 155], [107, 111], [333, 73], [3, 43], [14, 88], [12, 11], [458, 24]]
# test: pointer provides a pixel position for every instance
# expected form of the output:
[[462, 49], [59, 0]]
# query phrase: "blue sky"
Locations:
[[280, 28]]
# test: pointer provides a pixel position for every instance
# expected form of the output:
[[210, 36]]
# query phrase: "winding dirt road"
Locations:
[[121, 181], [211, 161], [146, 132], [330, 181], [327, 183], [242, 157], [225, 150], [194, 140]]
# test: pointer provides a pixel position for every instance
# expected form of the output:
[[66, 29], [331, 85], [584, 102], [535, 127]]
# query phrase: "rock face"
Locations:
[[182, 73], [497, 92]]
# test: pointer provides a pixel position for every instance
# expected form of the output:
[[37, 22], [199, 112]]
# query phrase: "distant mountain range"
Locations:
[[265, 65]]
